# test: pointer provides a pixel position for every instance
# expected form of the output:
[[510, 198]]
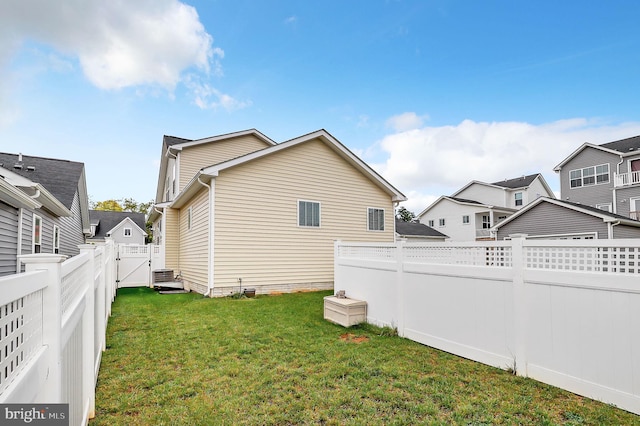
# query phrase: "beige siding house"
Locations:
[[265, 215]]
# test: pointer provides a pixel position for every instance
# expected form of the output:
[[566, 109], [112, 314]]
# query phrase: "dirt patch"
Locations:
[[348, 337]]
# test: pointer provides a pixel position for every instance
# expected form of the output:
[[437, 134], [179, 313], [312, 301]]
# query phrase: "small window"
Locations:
[[465, 219], [602, 173], [486, 221], [37, 234], [441, 222], [575, 177], [501, 218], [431, 223], [375, 219], [518, 198], [605, 206], [56, 239], [127, 232], [309, 214], [189, 218]]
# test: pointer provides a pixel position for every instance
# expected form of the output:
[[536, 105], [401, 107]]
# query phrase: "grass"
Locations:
[[187, 360]]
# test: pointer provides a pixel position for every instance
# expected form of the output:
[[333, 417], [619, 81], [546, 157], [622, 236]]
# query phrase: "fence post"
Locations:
[[400, 285], [519, 305], [89, 332], [51, 319]]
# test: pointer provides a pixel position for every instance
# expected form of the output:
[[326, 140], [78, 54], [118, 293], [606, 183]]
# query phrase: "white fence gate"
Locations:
[[135, 263]]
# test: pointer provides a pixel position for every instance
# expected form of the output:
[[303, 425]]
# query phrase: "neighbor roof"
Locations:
[[518, 182], [592, 211], [624, 145], [59, 177], [417, 229], [107, 220]]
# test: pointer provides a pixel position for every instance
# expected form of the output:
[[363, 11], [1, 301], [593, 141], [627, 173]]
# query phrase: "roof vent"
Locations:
[[20, 157], [631, 149], [31, 168], [17, 166]]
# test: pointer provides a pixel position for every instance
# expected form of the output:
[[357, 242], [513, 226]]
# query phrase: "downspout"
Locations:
[[395, 206], [209, 292], [610, 228], [614, 198], [19, 248]]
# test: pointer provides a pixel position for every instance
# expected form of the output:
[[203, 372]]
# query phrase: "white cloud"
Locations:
[[208, 97], [118, 43], [291, 20], [428, 162], [406, 121]]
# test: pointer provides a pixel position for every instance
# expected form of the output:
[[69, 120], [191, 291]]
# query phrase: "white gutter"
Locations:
[[614, 198], [210, 282]]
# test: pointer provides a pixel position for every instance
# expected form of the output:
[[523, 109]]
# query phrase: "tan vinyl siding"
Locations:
[[196, 157], [194, 251], [171, 239], [257, 237]]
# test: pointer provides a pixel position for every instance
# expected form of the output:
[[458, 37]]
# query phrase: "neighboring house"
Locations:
[[604, 176], [548, 218], [241, 210], [417, 232], [122, 227], [470, 212], [57, 217]]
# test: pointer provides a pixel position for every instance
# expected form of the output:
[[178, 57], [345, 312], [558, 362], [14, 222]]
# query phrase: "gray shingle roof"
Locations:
[[518, 182], [417, 229], [624, 145], [59, 177], [464, 200], [109, 219]]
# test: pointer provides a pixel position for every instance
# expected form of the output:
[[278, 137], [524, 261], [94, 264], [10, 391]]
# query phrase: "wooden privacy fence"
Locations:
[[564, 312], [53, 320]]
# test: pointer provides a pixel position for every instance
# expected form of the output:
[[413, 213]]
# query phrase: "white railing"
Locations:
[[53, 321], [564, 312], [624, 179]]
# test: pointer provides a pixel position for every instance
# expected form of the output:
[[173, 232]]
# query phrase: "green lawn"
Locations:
[[188, 360]]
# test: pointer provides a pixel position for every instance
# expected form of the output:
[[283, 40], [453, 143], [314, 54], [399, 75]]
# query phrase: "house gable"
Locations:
[[182, 158]]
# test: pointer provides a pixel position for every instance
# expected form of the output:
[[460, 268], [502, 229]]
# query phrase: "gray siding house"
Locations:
[[122, 227], [44, 208], [558, 219], [605, 176]]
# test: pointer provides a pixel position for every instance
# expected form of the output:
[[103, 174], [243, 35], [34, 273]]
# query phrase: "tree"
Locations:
[[405, 215], [107, 205]]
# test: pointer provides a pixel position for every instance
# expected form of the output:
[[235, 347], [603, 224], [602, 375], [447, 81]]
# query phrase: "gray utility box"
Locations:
[[344, 311]]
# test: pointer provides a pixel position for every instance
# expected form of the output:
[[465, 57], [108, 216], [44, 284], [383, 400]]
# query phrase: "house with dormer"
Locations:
[[471, 212], [121, 227], [239, 210], [605, 176], [43, 208]]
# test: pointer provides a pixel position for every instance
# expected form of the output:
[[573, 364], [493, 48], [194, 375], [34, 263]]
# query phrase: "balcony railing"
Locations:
[[625, 179], [634, 215], [483, 233]]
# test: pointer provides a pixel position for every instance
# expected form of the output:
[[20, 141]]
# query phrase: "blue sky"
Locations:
[[432, 94]]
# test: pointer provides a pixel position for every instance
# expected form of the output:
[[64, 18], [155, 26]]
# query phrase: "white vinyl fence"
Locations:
[[564, 312], [53, 320]]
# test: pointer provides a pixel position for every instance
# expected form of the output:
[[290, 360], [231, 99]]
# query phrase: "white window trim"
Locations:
[[515, 198], [319, 214], [431, 223], [595, 176], [384, 218], [608, 205], [442, 222], [56, 239], [467, 217], [124, 232], [33, 234]]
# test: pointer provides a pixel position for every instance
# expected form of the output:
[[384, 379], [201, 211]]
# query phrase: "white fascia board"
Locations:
[[518, 213], [190, 189], [430, 206], [126, 219], [16, 197], [258, 134], [580, 149], [323, 135], [51, 203]]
